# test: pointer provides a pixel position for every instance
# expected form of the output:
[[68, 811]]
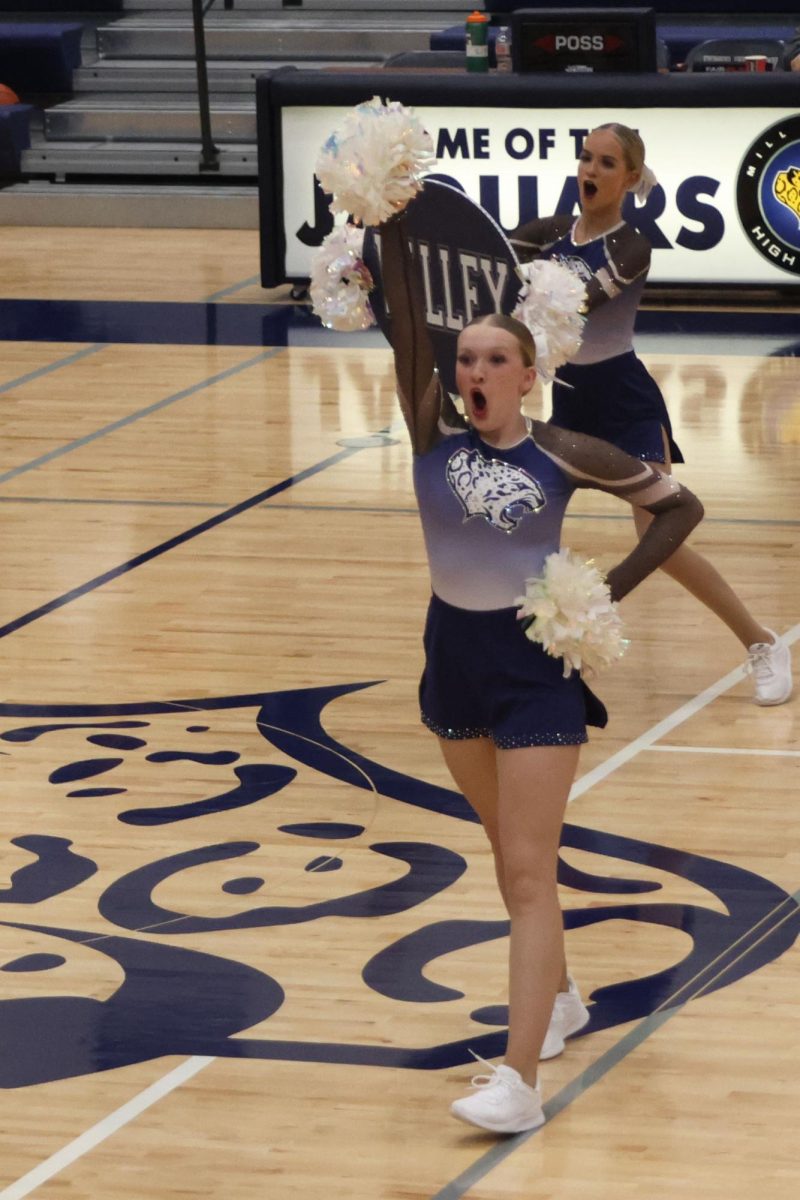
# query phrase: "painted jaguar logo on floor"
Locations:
[[118, 987]]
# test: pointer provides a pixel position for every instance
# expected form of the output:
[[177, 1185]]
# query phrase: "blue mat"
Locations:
[[39, 57], [15, 136]]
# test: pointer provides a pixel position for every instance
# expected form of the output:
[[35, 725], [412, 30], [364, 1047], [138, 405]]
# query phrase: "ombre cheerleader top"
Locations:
[[489, 517], [613, 266]]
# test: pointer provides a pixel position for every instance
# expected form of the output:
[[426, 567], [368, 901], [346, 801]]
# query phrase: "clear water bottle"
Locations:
[[502, 48]]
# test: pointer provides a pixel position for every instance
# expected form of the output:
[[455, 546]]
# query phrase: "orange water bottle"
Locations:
[[477, 41]]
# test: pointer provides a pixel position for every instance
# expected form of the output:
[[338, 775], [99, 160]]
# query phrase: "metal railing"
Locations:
[[209, 152]]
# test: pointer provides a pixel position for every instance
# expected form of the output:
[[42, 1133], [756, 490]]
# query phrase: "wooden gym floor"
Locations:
[[249, 933]]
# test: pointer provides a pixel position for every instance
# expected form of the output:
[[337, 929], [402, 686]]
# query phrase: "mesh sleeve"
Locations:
[[627, 257], [532, 238], [591, 463]]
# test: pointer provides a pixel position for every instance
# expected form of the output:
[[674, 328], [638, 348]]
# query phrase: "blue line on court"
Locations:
[[106, 502], [502, 1150], [459, 1186], [135, 416], [54, 366], [170, 544], [153, 322], [208, 323]]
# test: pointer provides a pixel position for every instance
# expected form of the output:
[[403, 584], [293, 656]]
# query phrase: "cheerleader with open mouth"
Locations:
[[606, 391], [509, 714], [512, 622]]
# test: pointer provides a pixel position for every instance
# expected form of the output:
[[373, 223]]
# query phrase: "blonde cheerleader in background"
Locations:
[[606, 391]]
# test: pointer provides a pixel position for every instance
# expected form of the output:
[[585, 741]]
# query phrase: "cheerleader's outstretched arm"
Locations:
[[418, 387]]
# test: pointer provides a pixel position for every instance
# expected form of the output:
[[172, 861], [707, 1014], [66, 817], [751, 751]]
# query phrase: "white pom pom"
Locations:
[[550, 304], [572, 615], [340, 282], [374, 164]]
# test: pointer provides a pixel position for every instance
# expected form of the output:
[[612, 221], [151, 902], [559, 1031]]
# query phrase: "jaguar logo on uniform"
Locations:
[[491, 488], [768, 194]]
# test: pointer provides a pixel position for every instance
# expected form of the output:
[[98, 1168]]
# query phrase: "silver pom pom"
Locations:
[[340, 282], [571, 614], [374, 164], [550, 304]]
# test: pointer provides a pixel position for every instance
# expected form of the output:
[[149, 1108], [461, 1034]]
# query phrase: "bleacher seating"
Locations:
[[130, 108], [426, 58]]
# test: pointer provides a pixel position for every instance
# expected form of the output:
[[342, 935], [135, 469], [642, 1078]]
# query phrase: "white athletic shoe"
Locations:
[[502, 1102], [569, 1015], [770, 664]]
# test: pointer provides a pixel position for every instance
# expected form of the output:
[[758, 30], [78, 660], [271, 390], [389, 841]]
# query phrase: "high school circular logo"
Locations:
[[768, 194]]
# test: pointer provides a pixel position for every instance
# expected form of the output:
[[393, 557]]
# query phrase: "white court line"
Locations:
[[192, 1066], [103, 1129], [645, 741], [725, 750]]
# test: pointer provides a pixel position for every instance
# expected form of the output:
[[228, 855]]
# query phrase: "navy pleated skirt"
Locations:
[[484, 678], [616, 400]]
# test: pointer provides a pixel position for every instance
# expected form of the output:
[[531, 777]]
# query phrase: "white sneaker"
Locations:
[[569, 1015], [502, 1102], [770, 664]]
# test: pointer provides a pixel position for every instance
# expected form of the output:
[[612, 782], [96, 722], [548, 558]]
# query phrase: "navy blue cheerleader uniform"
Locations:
[[606, 391], [490, 517]]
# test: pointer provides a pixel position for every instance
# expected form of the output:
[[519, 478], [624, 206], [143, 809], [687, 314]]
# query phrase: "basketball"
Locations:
[[7, 96]]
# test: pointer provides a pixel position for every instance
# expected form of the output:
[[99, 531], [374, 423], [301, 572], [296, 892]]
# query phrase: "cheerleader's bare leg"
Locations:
[[520, 796], [533, 787], [704, 582], [473, 765]]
